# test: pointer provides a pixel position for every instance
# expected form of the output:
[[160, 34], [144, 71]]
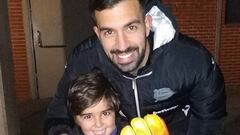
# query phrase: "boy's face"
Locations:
[[98, 119]]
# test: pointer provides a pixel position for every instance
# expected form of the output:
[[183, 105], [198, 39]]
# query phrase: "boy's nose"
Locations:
[[98, 122]]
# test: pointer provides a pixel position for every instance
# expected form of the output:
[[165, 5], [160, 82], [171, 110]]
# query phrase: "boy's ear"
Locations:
[[76, 120], [148, 24]]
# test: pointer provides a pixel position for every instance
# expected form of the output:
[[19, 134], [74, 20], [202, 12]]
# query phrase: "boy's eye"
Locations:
[[86, 117], [107, 113]]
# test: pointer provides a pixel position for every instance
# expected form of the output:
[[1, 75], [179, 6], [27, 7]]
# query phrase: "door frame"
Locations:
[[30, 50]]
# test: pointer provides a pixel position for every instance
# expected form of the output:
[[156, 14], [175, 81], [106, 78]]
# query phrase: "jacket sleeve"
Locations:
[[208, 100], [58, 119]]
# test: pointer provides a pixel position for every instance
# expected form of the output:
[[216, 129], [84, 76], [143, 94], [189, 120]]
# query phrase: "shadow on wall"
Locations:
[[232, 124], [77, 22]]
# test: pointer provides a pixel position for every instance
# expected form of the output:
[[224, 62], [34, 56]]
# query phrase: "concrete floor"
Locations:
[[32, 114]]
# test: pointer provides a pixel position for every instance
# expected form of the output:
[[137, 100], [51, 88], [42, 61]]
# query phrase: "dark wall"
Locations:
[[232, 11], [77, 22]]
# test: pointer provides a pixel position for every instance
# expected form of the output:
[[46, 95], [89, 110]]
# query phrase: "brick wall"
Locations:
[[197, 18], [19, 49]]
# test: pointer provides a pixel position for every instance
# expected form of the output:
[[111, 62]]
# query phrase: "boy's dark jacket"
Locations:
[[181, 83]]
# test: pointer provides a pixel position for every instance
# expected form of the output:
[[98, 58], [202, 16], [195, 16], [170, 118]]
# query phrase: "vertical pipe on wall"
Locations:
[[218, 29]]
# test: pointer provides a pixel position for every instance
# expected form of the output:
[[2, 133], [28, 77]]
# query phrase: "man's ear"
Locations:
[[96, 30], [148, 24]]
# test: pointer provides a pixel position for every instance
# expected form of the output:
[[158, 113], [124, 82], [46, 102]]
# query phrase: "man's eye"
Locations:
[[108, 33], [132, 28]]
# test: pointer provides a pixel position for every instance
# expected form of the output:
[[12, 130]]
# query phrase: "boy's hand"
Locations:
[[151, 124]]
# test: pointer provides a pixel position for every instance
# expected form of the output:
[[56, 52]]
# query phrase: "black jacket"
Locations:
[[181, 83]]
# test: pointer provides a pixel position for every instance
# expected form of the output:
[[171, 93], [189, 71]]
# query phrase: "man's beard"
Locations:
[[134, 65]]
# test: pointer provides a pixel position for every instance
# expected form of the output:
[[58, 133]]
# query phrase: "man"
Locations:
[[168, 74]]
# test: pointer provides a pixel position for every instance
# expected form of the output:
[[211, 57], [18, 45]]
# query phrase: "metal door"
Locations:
[[48, 44]]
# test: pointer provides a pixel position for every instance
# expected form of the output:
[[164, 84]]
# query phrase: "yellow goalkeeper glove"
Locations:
[[151, 124]]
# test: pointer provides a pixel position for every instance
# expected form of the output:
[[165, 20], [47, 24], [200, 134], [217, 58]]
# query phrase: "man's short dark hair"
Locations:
[[89, 89], [99, 5]]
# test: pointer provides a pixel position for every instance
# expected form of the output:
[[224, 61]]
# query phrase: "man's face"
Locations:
[[122, 31], [98, 119]]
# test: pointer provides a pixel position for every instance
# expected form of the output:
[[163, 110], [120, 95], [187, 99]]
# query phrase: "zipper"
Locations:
[[135, 89]]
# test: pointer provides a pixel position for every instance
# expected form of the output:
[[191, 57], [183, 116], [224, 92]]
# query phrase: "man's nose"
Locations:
[[122, 42]]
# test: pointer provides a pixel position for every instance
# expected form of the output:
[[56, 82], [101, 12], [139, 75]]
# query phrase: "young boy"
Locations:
[[93, 103]]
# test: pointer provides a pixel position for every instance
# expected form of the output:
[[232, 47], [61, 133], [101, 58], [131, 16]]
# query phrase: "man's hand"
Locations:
[[151, 124]]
